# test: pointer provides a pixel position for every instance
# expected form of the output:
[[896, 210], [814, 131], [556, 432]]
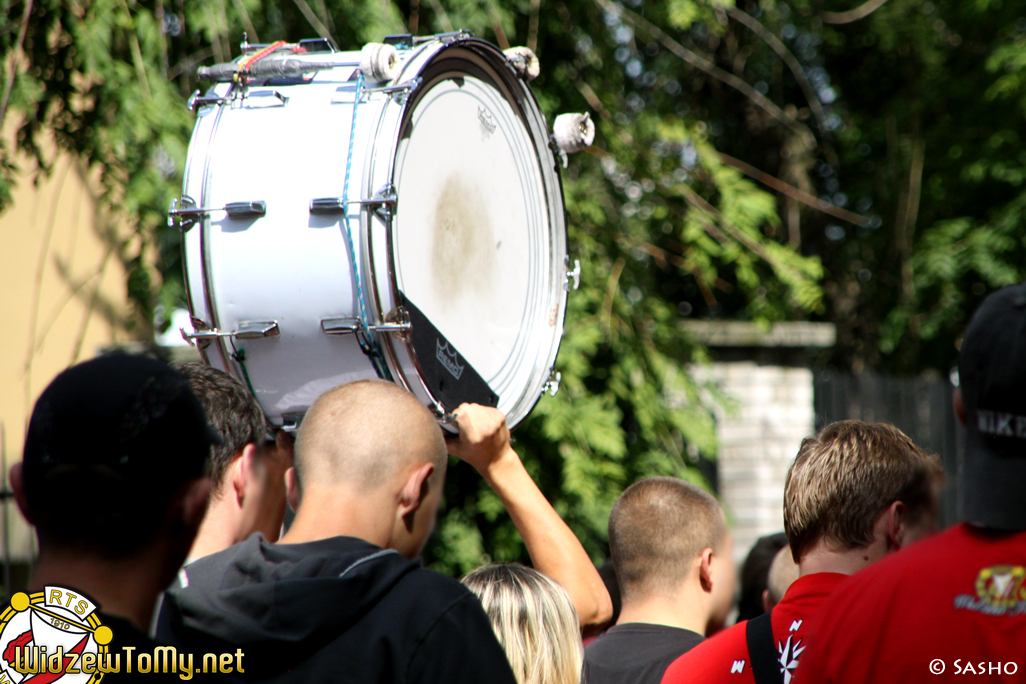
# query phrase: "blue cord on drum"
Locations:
[[365, 338]]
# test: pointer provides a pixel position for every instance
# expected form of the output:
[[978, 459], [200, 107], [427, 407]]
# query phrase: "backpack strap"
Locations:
[[762, 650]]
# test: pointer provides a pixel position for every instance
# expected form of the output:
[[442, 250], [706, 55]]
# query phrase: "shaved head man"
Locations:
[[782, 574], [356, 460], [673, 558], [341, 594]]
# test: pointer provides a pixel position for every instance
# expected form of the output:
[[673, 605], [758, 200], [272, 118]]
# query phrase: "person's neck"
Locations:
[[220, 529], [687, 609], [336, 512], [125, 588], [823, 558]]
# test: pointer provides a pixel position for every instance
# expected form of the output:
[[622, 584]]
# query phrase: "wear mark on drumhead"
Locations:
[[463, 257]]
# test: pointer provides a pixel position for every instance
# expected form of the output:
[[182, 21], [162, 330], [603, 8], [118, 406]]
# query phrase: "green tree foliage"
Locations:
[[663, 229], [916, 107]]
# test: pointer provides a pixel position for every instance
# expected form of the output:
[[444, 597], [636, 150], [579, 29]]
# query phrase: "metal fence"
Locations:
[[919, 406]]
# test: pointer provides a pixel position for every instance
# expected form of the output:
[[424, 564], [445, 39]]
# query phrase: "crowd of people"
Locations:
[[160, 494]]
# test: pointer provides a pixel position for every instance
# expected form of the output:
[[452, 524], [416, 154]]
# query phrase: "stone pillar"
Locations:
[[766, 374]]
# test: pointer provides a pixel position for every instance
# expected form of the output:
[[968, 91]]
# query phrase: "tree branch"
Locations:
[[532, 26], [316, 23], [793, 192], [137, 57], [441, 15], [14, 59], [706, 65], [860, 12], [246, 21], [611, 285], [907, 227], [789, 59]]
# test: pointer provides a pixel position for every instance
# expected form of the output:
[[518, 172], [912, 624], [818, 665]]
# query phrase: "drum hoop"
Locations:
[[367, 217], [522, 99], [206, 274]]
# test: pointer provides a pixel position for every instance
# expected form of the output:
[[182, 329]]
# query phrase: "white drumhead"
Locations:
[[471, 236]]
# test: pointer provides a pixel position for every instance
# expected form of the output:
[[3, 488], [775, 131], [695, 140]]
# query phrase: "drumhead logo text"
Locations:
[[55, 630], [448, 358], [999, 591]]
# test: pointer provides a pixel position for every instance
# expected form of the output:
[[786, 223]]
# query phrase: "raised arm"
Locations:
[[554, 549]]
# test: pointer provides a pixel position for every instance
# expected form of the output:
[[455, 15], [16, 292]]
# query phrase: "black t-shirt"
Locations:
[[636, 653]]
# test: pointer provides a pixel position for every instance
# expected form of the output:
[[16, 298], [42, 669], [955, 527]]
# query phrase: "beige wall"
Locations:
[[62, 296]]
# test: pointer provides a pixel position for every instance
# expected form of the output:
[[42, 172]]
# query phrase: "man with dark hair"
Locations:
[[247, 470], [755, 574], [853, 495], [672, 552], [113, 480], [955, 604], [341, 597]]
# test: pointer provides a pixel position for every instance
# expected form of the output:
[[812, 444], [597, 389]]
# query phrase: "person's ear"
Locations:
[[245, 471], [292, 488], [958, 404], [286, 447], [895, 525], [705, 575], [767, 605], [414, 492], [18, 486], [239, 475], [195, 497]]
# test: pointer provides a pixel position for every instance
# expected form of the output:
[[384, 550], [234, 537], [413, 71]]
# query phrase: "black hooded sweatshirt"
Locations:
[[334, 610]]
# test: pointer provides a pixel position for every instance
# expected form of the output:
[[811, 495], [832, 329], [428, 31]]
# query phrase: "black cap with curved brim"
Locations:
[[992, 378], [134, 415]]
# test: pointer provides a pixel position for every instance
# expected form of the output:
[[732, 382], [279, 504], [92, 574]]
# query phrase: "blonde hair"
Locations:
[[535, 621], [840, 483]]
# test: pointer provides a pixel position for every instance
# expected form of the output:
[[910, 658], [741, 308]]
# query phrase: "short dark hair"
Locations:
[[657, 528], [232, 411], [109, 444], [755, 574]]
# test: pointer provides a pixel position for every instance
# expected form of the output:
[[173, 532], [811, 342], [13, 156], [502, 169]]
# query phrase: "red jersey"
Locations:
[[724, 657], [951, 605]]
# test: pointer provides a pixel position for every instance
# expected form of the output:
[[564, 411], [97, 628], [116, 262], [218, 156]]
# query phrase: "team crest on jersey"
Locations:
[[789, 652], [49, 635], [999, 591]]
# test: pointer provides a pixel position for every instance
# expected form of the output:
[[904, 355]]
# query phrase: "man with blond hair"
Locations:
[[954, 605], [852, 496], [673, 558]]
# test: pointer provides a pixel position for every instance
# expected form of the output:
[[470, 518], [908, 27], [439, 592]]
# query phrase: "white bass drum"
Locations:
[[336, 228]]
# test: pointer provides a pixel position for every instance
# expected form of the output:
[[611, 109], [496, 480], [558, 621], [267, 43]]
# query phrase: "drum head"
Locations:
[[478, 239]]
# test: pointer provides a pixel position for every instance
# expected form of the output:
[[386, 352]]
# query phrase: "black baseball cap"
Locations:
[[992, 378], [134, 415]]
